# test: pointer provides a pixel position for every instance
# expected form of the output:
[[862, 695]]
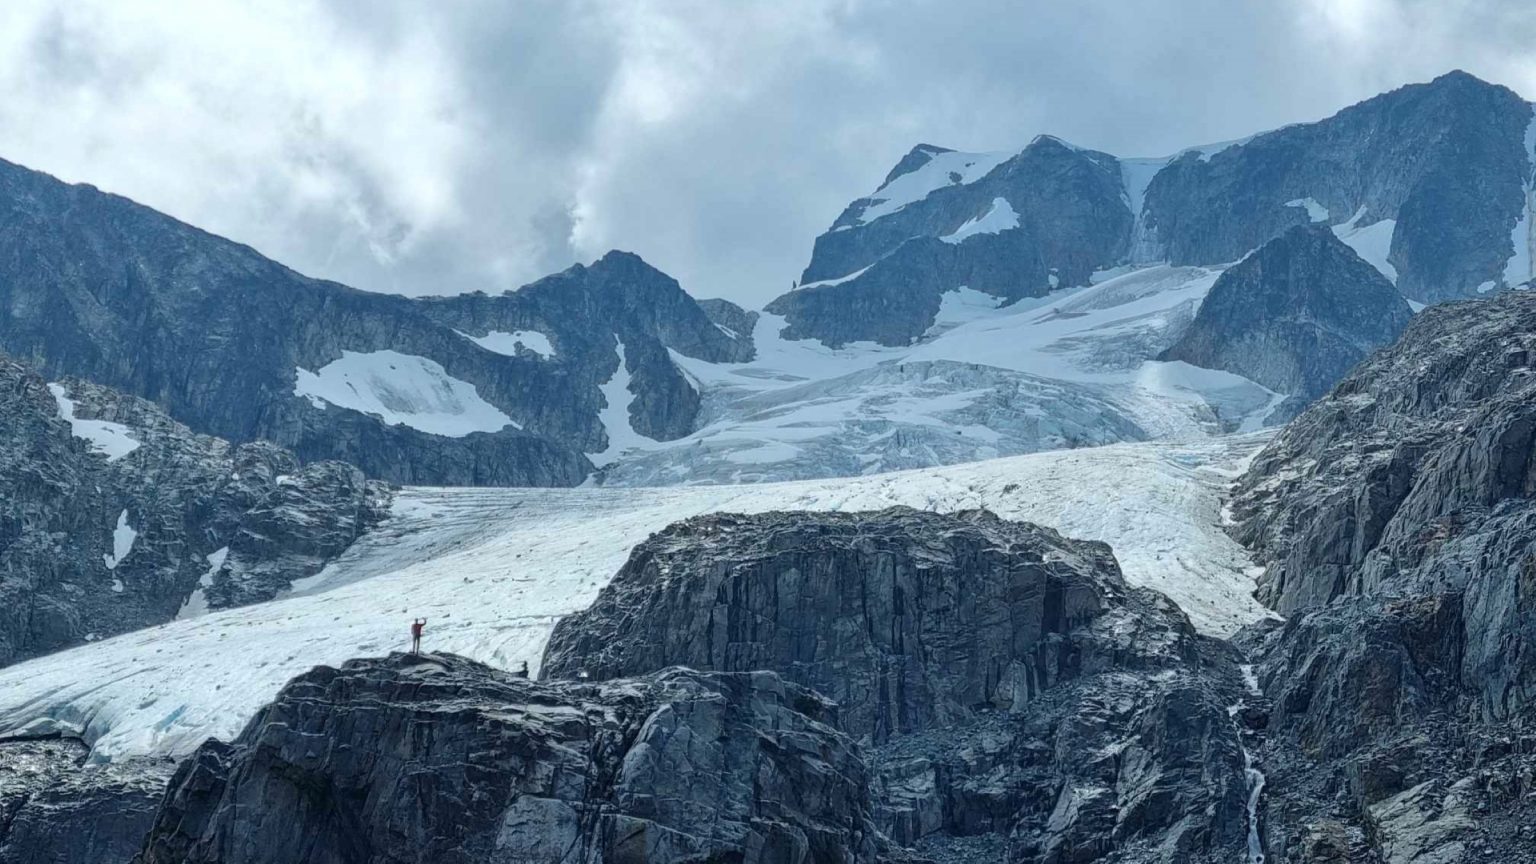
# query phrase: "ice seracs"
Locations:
[[401, 389]]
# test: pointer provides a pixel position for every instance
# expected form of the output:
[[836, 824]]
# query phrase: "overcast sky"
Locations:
[[437, 147]]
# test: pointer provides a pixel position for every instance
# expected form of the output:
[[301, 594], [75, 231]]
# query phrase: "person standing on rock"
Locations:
[[416, 627]]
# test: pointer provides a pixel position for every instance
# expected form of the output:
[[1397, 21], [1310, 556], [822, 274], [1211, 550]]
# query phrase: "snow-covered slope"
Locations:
[[492, 570], [1070, 369], [401, 389]]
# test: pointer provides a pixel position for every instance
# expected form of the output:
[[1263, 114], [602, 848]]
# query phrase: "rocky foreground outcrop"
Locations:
[[56, 809], [1395, 518], [437, 758], [114, 516], [1017, 695]]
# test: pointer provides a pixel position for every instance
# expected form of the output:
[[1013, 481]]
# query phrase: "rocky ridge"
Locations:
[[115, 517], [435, 757], [467, 390], [1015, 692], [1431, 181], [1394, 517]]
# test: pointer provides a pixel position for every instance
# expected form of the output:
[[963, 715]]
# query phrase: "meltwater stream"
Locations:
[[1251, 773]]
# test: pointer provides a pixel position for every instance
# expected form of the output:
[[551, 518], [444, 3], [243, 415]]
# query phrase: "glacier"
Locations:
[[492, 569], [1071, 369]]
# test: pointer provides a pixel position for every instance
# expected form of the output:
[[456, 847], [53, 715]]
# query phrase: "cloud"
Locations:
[[435, 148]]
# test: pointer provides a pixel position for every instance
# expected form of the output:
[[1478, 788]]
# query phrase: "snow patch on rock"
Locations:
[[197, 602], [122, 543], [401, 389], [1371, 242], [999, 217], [113, 440], [615, 417], [1315, 211], [951, 168], [507, 342]]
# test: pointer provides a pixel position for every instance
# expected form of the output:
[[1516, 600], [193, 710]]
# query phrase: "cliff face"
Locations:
[[1413, 478], [115, 517], [1395, 520], [991, 665], [1294, 316], [434, 757]]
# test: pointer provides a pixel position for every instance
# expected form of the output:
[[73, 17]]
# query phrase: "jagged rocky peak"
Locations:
[[1008, 225], [114, 516], [473, 389], [1431, 183], [990, 666], [437, 758], [1295, 315]]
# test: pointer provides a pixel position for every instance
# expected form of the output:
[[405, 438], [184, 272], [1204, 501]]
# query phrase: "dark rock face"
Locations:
[[1373, 747], [97, 287], [92, 544], [1447, 162], [1294, 316], [1011, 683], [735, 321], [55, 809], [1411, 478], [1396, 522], [1070, 218], [437, 758]]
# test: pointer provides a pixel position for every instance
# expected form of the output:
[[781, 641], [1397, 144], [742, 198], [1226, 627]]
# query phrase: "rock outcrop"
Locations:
[[55, 808], [1014, 689], [115, 517], [437, 758], [1295, 315], [1394, 517], [427, 391]]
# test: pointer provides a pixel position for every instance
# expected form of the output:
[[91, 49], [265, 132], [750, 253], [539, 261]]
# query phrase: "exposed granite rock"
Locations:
[[97, 543], [1295, 315], [1414, 477], [1070, 218], [1396, 521], [95, 286], [1438, 174], [1010, 681], [1446, 160], [1373, 748], [55, 808], [738, 323], [438, 758]]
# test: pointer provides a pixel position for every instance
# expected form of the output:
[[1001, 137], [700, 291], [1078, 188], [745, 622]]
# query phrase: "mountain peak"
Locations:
[[916, 158]]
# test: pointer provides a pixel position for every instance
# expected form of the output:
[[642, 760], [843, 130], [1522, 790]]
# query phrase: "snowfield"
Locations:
[[1070, 369], [493, 569], [401, 389]]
